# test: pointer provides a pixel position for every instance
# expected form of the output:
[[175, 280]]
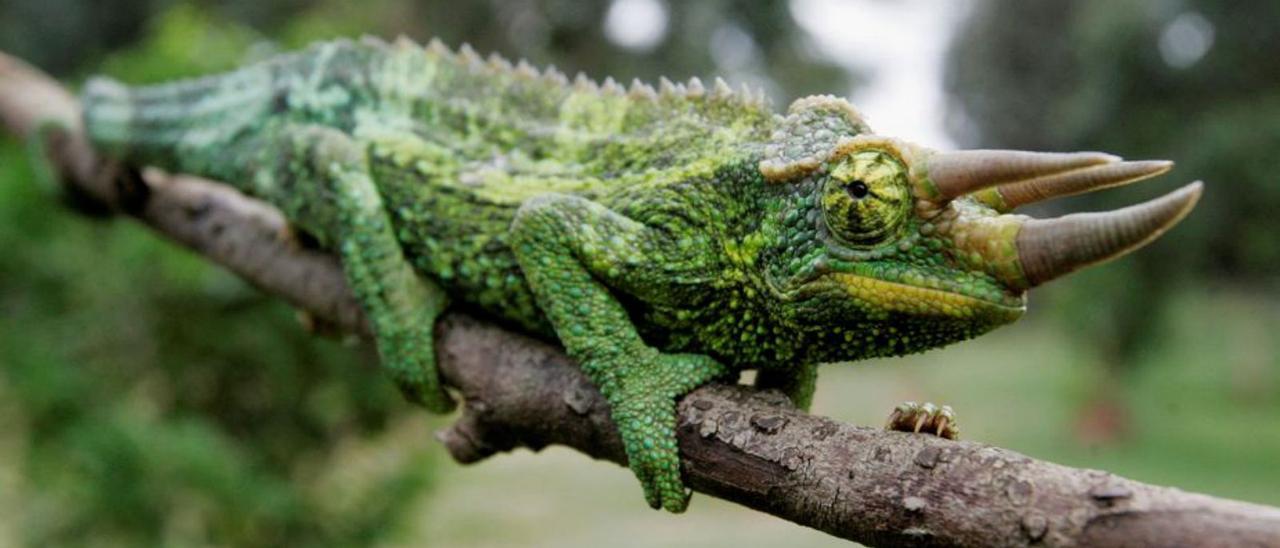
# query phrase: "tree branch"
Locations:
[[858, 483]]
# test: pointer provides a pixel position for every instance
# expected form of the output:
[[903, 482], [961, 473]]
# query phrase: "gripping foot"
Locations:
[[924, 418]]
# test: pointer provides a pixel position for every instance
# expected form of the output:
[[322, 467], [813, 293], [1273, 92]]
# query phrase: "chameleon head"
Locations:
[[887, 248]]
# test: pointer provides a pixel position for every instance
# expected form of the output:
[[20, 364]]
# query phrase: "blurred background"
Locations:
[[148, 398]]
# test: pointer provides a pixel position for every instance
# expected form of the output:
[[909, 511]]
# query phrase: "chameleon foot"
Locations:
[[644, 409], [647, 425], [926, 418], [409, 355]]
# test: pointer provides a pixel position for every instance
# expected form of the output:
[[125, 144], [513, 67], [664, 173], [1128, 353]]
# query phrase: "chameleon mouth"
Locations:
[[879, 296], [926, 301]]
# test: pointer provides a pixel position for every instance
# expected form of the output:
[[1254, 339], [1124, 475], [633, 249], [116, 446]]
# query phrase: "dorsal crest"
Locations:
[[807, 136]]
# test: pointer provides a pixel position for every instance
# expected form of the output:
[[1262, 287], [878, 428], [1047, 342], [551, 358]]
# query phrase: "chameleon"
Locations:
[[666, 237]]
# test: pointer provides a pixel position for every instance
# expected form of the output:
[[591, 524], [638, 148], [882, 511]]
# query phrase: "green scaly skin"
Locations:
[[666, 238]]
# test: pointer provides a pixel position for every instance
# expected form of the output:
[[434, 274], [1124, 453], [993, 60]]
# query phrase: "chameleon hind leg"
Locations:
[[573, 252], [322, 181]]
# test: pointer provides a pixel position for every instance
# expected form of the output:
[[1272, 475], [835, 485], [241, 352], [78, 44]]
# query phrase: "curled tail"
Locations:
[[180, 126]]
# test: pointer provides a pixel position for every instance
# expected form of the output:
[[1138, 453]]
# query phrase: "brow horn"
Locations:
[[1005, 198], [1049, 248], [961, 172]]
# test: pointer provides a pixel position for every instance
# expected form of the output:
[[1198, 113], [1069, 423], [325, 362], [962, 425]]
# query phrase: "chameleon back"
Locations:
[[474, 109]]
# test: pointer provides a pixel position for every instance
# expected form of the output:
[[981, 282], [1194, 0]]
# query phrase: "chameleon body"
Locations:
[[665, 237]]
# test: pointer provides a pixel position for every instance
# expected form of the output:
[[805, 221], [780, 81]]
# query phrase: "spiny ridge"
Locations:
[[468, 54], [582, 83], [500, 63], [694, 89], [611, 86], [371, 40], [526, 70], [641, 90]]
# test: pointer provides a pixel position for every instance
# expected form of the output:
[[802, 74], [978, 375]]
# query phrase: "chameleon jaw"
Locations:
[[903, 298], [877, 296]]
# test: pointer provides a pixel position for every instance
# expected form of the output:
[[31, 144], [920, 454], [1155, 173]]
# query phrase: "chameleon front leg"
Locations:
[[573, 251], [321, 179], [798, 384]]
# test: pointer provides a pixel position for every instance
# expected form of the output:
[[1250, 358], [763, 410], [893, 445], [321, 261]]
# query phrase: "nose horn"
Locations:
[[960, 172], [1049, 248]]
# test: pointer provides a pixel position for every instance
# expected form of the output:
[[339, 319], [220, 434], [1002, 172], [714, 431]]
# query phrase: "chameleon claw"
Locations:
[[896, 415], [925, 418], [942, 426]]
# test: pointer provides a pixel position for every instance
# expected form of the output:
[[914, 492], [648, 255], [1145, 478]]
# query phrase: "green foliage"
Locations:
[[141, 427], [61, 35], [184, 41], [161, 401]]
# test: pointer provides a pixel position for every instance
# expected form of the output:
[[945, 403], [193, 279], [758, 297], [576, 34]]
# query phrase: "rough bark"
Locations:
[[858, 483]]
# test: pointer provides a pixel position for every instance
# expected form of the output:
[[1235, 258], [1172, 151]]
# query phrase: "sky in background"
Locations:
[[900, 45]]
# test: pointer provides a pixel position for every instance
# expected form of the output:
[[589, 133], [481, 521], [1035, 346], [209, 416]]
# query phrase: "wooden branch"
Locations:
[[858, 483]]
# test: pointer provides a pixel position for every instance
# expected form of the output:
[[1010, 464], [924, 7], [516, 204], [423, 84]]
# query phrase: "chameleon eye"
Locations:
[[865, 200], [858, 190]]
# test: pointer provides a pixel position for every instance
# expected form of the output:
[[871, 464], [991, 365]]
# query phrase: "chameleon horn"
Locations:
[[958, 173], [1049, 248], [1006, 197]]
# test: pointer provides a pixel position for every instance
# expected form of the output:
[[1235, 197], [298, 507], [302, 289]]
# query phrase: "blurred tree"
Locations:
[[150, 399], [1196, 81], [59, 35], [161, 401]]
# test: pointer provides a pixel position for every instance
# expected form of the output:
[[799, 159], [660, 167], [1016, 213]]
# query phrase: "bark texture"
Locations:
[[879, 488]]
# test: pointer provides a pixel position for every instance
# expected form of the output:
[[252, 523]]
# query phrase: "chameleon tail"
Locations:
[[108, 115], [184, 126]]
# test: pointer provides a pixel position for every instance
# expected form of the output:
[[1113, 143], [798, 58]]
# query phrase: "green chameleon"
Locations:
[[665, 237]]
